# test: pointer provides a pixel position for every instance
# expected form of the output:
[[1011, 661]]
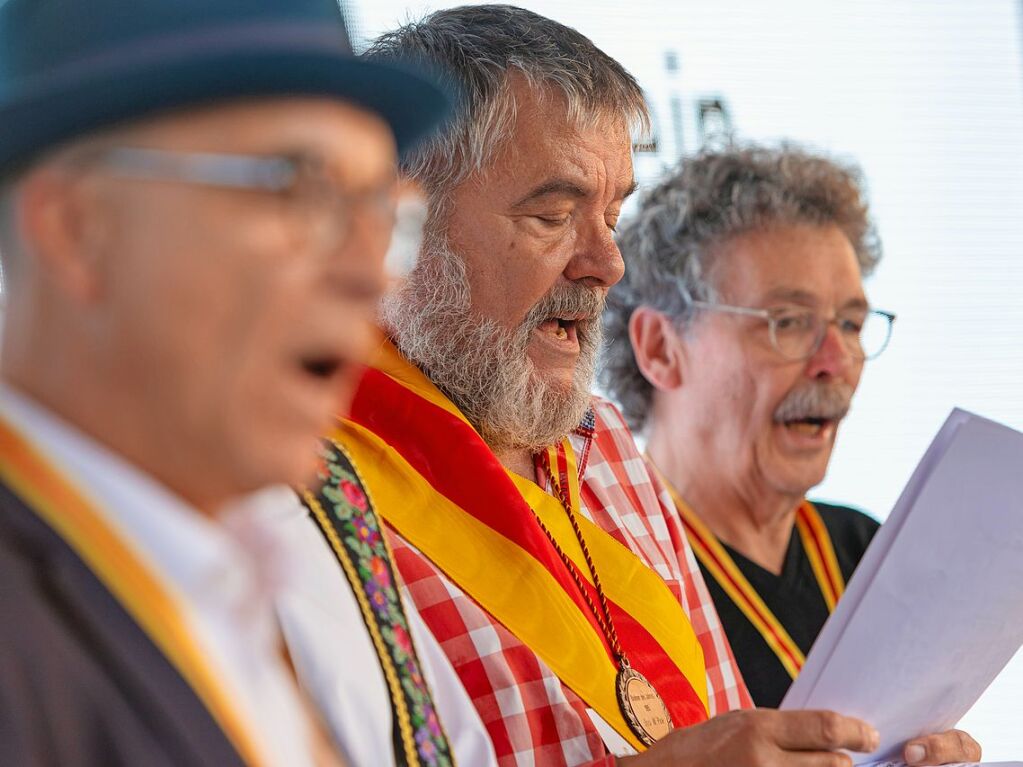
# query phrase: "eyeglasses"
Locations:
[[797, 333], [323, 212]]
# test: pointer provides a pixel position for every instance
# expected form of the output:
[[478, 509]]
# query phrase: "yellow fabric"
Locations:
[[508, 581], [388, 360], [729, 577], [708, 549], [826, 563], [125, 574], [634, 587], [492, 570]]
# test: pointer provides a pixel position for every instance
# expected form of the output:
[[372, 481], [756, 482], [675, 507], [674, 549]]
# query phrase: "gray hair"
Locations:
[[670, 245], [479, 48]]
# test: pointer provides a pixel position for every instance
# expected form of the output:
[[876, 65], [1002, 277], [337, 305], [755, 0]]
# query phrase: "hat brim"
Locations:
[[51, 110]]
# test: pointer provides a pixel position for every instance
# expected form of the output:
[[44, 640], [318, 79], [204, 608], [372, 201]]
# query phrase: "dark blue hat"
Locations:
[[68, 67]]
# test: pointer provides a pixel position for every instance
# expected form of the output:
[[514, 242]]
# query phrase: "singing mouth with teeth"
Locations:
[[561, 328]]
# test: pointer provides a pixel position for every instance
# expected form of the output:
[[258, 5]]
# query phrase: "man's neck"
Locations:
[[519, 461], [755, 521], [87, 410]]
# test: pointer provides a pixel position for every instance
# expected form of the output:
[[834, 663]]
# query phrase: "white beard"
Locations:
[[481, 367]]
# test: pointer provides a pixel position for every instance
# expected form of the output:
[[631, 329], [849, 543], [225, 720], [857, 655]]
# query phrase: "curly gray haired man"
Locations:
[[737, 340], [673, 242]]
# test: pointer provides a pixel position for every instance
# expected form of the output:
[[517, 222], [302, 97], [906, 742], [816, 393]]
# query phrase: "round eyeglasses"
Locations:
[[797, 333]]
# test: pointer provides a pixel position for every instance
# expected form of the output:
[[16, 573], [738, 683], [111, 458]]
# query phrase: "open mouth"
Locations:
[[561, 328], [810, 427], [323, 368]]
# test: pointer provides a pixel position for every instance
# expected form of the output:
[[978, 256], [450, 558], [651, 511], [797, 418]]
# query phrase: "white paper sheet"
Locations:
[[935, 609]]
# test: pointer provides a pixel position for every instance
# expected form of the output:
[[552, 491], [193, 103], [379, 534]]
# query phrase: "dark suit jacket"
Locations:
[[80, 683]]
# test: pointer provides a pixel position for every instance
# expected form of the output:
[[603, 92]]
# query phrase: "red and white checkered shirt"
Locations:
[[532, 718]]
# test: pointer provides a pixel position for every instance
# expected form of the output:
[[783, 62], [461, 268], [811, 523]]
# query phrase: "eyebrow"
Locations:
[[562, 187], [803, 297], [791, 294], [559, 186], [856, 303]]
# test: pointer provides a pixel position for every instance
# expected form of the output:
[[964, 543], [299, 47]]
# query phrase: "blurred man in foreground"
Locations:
[[196, 197], [529, 534], [737, 340]]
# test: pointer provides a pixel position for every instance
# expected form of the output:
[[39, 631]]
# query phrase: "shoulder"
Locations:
[[47, 713], [79, 682], [846, 518], [609, 428], [851, 532]]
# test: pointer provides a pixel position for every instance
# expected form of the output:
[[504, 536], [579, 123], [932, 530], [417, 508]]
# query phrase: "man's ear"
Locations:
[[658, 349], [63, 231]]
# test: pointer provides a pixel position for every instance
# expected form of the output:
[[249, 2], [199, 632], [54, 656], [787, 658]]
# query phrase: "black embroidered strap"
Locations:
[[343, 512]]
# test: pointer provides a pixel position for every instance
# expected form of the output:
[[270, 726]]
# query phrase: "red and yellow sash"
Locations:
[[721, 566], [125, 574], [441, 488]]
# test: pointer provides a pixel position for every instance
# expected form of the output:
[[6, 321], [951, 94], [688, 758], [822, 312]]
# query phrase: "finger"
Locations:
[[824, 731], [943, 748]]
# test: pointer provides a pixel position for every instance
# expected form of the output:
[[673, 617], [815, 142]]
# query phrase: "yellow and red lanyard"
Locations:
[[717, 561], [126, 576]]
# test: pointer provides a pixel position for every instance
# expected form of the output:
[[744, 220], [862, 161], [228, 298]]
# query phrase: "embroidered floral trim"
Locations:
[[350, 512]]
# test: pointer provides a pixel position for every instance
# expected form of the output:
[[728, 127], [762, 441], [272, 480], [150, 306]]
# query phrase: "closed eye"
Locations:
[[552, 221]]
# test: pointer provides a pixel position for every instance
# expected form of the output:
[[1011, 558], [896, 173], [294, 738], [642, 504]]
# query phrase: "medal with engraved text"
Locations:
[[642, 707]]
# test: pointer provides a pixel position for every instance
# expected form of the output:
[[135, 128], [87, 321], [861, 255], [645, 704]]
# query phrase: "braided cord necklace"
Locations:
[[641, 705]]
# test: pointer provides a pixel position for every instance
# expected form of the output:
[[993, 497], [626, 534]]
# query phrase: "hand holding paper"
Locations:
[[935, 609]]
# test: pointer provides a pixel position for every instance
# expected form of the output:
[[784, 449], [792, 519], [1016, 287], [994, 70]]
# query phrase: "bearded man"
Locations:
[[531, 538]]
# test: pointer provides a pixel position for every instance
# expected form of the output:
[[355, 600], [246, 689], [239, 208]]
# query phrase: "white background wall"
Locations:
[[927, 95]]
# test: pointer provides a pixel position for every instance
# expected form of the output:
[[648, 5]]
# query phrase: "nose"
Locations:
[[832, 359], [597, 261]]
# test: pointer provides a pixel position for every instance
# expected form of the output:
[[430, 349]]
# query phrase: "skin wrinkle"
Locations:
[[484, 368], [527, 240], [736, 391]]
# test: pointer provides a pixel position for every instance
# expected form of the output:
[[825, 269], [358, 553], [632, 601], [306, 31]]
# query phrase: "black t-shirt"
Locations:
[[794, 597]]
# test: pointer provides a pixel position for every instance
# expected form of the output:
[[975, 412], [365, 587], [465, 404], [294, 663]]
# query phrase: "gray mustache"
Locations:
[[830, 401], [567, 300]]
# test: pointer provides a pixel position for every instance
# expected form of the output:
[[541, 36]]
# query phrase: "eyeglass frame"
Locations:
[[765, 314], [275, 174]]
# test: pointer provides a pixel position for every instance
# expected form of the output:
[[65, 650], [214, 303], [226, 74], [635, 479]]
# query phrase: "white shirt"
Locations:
[[216, 576], [335, 658]]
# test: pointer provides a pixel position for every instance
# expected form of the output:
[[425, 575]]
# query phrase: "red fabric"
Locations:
[[818, 544], [623, 496], [449, 454], [769, 621], [530, 716]]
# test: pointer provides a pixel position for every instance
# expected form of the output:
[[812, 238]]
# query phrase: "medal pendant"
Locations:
[[642, 707]]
